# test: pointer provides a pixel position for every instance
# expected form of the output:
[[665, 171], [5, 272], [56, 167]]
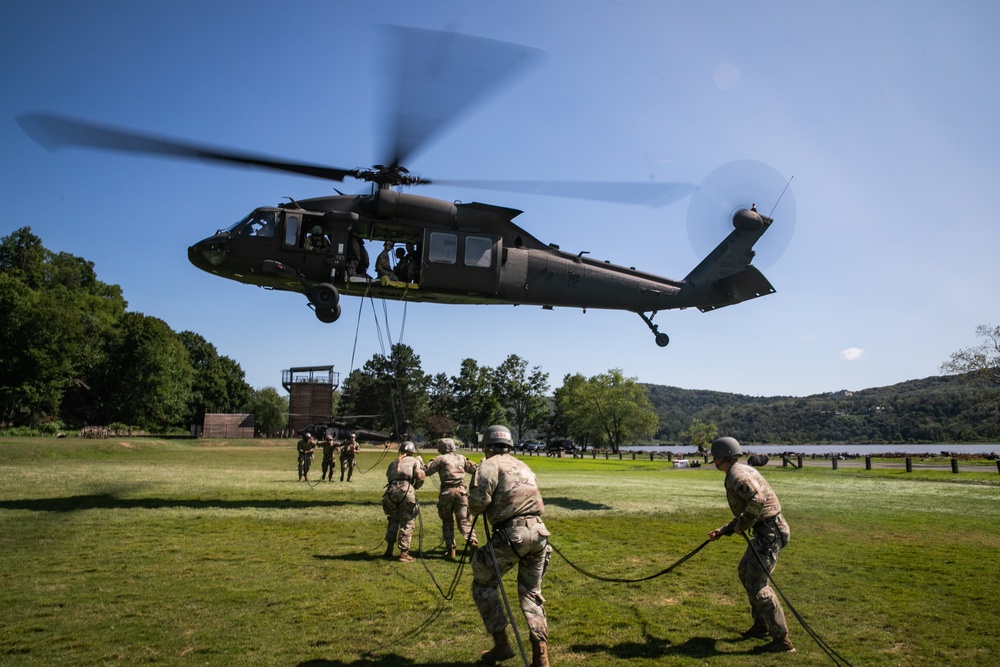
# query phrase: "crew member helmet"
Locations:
[[446, 445], [723, 448], [497, 438], [407, 447], [317, 230]]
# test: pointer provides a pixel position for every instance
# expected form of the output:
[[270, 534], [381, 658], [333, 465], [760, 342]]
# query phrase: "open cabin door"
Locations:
[[461, 262]]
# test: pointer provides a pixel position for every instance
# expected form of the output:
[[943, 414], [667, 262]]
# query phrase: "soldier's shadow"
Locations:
[[654, 647], [390, 660]]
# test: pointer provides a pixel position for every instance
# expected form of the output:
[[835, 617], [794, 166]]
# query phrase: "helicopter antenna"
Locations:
[[771, 214], [294, 203]]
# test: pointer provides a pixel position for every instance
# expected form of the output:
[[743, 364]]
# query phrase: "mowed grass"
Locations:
[[144, 551]]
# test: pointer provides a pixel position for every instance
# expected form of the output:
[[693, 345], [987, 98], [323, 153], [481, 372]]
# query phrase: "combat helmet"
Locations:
[[407, 447], [723, 448], [497, 438], [446, 446]]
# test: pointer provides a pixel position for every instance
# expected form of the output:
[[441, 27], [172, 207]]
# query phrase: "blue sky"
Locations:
[[884, 113]]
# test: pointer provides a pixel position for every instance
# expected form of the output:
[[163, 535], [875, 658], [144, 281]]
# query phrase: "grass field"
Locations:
[[148, 551]]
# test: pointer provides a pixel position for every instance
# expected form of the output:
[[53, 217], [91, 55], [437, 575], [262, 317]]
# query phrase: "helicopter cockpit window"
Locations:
[[259, 223], [479, 251], [443, 248]]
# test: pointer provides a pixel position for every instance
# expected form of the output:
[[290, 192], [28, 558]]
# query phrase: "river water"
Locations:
[[859, 450]]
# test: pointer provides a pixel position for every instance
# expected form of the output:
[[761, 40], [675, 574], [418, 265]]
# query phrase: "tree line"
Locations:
[[71, 354]]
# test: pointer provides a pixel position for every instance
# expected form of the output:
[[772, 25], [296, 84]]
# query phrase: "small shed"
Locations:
[[228, 426]]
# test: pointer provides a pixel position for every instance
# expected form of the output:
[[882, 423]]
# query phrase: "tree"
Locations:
[[701, 434], [54, 316], [148, 375], [270, 410], [980, 362], [393, 387], [476, 404], [218, 384], [609, 408], [522, 393]]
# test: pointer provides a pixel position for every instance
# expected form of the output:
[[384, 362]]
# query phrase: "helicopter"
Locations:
[[459, 253]]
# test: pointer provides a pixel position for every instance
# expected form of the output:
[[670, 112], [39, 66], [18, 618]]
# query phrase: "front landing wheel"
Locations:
[[662, 339]]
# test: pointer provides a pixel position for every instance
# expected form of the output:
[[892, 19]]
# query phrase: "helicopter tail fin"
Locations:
[[726, 276]]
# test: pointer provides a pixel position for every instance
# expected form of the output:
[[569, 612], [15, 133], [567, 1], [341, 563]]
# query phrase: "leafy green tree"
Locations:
[[701, 434], [476, 404], [218, 384], [148, 375], [270, 410], [393, 387], [981, 361], [609, 408], [522, 393], [54, 315]]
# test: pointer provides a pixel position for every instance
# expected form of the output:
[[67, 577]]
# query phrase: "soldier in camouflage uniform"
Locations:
[[306, 449], [348, 457], [504, 489], [399, 502], [755, 507], [329, 464], [453, 502]]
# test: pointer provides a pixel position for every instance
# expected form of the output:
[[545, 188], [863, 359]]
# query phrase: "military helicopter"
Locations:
[[460, 253]]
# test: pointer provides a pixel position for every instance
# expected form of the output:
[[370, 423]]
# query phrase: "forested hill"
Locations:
[[935, 409]]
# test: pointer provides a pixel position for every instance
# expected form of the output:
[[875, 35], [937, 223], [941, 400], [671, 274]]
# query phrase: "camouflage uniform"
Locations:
[[405, 475], [755, 506], [453, 502], [329, 465], [504, 489], [348, 449], [306, 447]]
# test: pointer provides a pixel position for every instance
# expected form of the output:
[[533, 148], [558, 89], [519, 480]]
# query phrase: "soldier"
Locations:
[[755, 506], [399, 502], [504, 489], [357, 256], [329, 464], [383, 263], [453, 501], [348, 450], [306, 447]]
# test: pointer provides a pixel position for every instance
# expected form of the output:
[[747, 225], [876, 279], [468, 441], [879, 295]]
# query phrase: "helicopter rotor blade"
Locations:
[[53, 132], [650, 193], [436, 76], [735, 185]]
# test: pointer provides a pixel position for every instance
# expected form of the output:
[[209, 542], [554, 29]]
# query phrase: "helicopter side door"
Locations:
[[461, 262]]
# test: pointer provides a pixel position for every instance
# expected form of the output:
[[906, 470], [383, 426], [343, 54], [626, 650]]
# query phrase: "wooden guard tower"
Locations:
[[310, 394]]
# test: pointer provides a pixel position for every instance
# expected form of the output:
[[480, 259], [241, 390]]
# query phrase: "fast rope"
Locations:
[[628, 581], [461, 560], [829, 650]]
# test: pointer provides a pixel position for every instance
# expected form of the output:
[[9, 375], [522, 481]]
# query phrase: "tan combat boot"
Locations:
[[501, 650], [451, 553], [405, 557], [783, 645], [539, 653], [756, 631]]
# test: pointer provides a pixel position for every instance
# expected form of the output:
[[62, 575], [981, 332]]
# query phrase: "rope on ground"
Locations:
[[829, 650], [628, 581], [461, 560]]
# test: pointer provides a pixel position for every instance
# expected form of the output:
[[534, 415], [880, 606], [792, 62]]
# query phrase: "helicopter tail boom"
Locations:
[[726, 276]]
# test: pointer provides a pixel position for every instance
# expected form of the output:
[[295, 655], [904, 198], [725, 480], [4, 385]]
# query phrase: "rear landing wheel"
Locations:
[[662, 339]]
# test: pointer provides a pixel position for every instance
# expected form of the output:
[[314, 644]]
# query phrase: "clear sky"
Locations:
[[885, 113]]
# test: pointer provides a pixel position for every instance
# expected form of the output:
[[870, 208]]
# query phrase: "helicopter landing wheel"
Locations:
[[662, 339], [329, 315], [324, 296]]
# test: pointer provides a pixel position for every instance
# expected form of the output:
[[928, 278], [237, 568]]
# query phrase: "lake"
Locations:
[[860, 450]]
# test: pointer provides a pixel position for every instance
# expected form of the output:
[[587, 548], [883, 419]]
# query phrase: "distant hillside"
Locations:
[[935, 409]]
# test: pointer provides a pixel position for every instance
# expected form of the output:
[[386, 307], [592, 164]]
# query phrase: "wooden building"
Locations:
[[310, 394], [228, 426]]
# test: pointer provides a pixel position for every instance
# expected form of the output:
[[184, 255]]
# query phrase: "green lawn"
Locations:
[[145, 551]]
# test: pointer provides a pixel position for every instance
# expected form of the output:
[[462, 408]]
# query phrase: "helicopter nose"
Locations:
[[209, 253]]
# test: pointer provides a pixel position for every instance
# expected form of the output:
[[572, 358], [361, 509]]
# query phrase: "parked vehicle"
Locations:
[[560, 444]]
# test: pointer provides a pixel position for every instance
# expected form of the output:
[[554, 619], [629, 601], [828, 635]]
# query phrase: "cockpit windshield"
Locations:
[[259, 223]]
